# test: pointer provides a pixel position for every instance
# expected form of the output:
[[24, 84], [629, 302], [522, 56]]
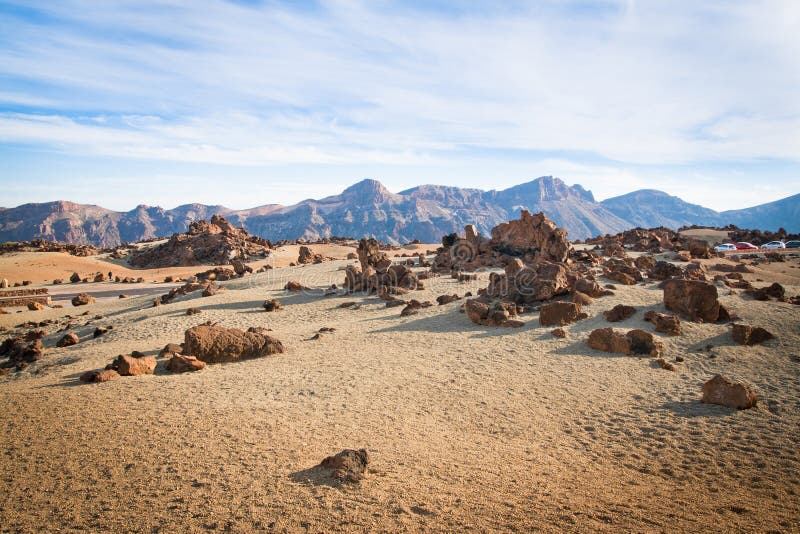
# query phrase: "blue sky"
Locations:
[[255, 102]]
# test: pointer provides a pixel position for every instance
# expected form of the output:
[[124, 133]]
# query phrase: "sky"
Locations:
[[244, 103]]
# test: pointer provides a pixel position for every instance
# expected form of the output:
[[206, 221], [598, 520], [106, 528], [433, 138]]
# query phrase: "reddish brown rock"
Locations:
[[183, 364], [413, 307], [104, 375], [581, 299], [666, 324], [347, 466], [36, 306], [272, 305], [447, 299], [68, 340], [130, 366], [631, 342], [495, 314], [559, 333], [722, 391], [588, 287], [694, 299], [531, 234], [540, 281], [744, 334], [293, 285], [699, 249], [213, 344], [82, 299], [664, 270], [212, 242], [775, 291], [620, 312], [559, 313], [645, 262], [370, 254], [169, 349]]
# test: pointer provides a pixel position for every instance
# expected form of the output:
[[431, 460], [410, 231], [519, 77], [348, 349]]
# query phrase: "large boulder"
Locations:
[[559, 313], [744, 334], [531, 234], [722, 391], [82, 299], [631, 342], [540, 281], [694, 299], [213, 344]]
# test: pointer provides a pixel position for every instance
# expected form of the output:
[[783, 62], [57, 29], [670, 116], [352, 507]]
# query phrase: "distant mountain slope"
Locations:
[[367, 208], [784, 213], [650, 208]]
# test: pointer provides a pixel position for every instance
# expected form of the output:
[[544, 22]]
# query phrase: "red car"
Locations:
[[744, 245]]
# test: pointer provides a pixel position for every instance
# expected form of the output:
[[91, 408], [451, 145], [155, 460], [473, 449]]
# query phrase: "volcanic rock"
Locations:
[[347, 466], [531, 234], [631, 342], [694, 299], [68, 340], [182, 364], [666, 324], [744, 334], [99, 375], [213, 344], [620, 312], [82, 299], [722, 391], [559, 313]]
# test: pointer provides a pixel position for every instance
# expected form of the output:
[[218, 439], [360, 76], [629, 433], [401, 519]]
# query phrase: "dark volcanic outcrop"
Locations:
[[215, 242]]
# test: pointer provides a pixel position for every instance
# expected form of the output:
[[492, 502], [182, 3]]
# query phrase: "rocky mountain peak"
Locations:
[[368, 191]]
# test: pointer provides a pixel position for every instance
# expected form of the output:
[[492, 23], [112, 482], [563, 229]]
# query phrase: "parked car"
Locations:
[[774, 244], [744, 245], [792, 244], [725, 247]]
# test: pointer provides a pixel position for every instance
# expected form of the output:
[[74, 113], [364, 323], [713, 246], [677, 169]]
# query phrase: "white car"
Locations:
[[725, 247], [774, 244]]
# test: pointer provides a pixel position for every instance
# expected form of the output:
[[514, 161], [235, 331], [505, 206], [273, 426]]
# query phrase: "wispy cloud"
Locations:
[[340, 82]]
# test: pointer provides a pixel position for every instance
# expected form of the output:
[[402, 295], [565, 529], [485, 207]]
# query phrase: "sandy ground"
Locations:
[[469, 427]]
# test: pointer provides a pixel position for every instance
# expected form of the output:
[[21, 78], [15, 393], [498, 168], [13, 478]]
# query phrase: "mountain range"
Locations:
[[367, 208]]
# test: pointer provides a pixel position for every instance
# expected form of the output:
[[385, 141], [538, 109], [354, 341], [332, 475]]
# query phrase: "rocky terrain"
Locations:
[[368, 209], [214, 242], [506, 381]]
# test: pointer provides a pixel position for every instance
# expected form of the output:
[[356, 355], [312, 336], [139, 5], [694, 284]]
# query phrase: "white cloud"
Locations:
[[639, 83]]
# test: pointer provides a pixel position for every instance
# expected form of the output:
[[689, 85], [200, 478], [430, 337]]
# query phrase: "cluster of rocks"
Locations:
[[215, 242], [41, 245], [531, 238], [21, 351], [307, 256], [377, 271], [203, 344]]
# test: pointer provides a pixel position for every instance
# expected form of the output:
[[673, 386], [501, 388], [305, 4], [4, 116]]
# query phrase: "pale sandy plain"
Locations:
[[468, 427]]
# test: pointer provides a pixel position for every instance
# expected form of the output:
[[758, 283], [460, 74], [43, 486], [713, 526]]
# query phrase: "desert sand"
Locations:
[[468, 427]]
